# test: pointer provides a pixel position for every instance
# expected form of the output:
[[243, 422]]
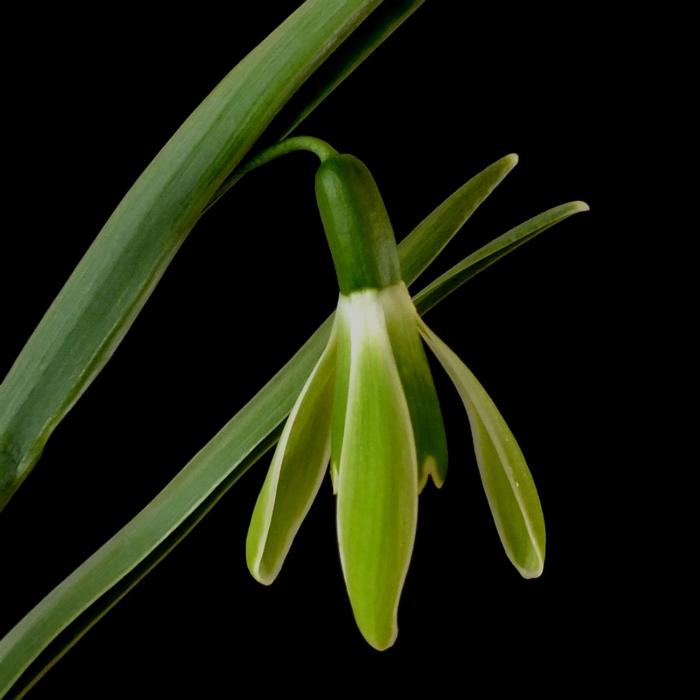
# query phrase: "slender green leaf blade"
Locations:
[[507, 481], [59, 643], [108, 288], [382, 24], [487, 255], [341, 64], [296, 472], [428, 239], [180, 500], [378, 476]]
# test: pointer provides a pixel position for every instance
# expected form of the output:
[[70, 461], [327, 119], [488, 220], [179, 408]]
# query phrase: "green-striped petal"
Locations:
[[507, 481], [295, 473], [377, 478], [424, 407], [340, 400]]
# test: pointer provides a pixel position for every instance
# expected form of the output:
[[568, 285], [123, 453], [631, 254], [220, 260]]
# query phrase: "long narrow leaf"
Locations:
[[68, 611], [425, 242], [359, 46], [506, 243], [108, 288], [371, 34], [180, 500]]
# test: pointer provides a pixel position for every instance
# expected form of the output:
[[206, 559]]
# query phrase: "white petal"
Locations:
[[377, 479], [507, 481], [417, 381], [295, 474]]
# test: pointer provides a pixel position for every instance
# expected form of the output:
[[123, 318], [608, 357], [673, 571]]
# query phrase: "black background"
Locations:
[[448, 94]]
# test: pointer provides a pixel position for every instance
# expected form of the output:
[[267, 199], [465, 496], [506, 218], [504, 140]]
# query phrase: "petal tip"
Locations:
[[382, 643], [531, 573], [532, 568], [512, 159], [431, 466], [255, 559], [260, 573], [378, 634]]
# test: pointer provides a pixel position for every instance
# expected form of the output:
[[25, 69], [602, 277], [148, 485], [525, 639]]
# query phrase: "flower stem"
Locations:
[[291, 145]]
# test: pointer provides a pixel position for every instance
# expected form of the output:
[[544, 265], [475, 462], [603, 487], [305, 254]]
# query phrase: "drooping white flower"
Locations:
[[370, 408]]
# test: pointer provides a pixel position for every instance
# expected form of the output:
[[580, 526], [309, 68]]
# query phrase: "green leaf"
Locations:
[[417, 382], [70, 609], [487, 255], [108, 288], [295, 474], [429, 238], [213, 469], [344, 60], [507, 481], [377, 478]]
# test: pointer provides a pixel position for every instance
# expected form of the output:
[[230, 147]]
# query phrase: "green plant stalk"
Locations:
[[117, 566], [108, 288]]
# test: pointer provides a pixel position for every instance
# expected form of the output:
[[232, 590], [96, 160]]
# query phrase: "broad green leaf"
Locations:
[[507, 481], [295, 474], [108, 288], [426, 241], [487, 255], [70, 609], [377, 478], [417, 382]]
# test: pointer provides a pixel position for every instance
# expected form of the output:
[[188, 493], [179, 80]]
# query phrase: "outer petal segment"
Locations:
[[426, 417], [295, 473], [507, 481], [377, 479]]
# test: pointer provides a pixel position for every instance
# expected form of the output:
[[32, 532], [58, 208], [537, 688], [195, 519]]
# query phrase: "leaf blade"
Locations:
[[432, 234], [110, 285], [493, 251]]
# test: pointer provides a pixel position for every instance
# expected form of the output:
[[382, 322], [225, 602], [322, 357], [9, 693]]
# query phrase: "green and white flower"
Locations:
[[370, 410]]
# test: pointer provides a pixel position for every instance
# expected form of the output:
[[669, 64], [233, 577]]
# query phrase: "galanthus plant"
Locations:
[[370, 406], [357, 399]]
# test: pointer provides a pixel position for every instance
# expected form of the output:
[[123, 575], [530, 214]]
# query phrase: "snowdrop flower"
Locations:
[[369, 408]]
